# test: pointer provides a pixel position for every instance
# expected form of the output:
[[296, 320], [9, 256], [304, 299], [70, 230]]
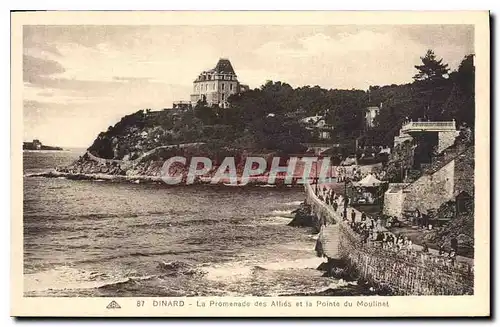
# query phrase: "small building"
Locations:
[[35, 145], [370, 114], [317, 124], [182, 105]]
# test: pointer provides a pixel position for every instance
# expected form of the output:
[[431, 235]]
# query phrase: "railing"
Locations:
[[429, 125]]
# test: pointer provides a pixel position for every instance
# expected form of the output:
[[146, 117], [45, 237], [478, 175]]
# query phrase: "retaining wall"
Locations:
[[404, 274]]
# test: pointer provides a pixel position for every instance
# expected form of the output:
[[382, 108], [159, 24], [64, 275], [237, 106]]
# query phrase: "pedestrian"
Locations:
[[425, 220], [353, 216], [400, 242], [416, 217], [441, 248], [335, 205], [425, 248], [390, 241], [365, 234], [454, 244], [453, 256], [363, 216]]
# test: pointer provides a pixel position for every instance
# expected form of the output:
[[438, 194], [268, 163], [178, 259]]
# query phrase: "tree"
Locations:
[[431, 68], [207, 114], [461, 103]]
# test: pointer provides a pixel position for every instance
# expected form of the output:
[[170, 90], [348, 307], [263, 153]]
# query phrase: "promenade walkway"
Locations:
[[330, 234]]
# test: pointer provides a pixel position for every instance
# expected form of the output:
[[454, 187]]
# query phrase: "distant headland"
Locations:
[[37, 145]]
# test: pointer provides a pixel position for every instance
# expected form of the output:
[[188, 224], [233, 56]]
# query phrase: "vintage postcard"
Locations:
[[250, 164]]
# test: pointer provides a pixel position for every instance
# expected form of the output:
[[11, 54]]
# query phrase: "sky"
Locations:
[[80, 79]]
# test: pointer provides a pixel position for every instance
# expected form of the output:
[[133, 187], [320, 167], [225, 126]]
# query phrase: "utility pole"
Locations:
[[345, 196]]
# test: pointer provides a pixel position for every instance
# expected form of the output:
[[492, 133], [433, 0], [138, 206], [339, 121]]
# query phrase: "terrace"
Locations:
[[428, 126]]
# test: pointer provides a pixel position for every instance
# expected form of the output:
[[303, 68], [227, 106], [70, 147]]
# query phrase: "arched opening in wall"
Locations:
[[425, 150]]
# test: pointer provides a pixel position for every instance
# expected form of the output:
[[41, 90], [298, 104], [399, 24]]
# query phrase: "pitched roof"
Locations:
[[312, 119], [369, 180], [224, 66]]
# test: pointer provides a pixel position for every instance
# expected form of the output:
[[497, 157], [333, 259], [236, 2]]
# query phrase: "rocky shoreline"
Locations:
[[149, 179]]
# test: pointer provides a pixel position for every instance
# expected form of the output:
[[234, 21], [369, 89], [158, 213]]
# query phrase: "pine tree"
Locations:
[[431, 68]]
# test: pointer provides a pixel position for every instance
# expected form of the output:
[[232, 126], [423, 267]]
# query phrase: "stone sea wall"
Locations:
[[402, 273]]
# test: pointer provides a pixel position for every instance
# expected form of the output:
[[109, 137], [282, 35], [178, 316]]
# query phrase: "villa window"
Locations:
[[222, 86], [231, 87], [223, 96]]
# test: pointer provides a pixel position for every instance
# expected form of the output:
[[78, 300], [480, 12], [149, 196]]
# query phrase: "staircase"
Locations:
[[439, 161], [445, 157]]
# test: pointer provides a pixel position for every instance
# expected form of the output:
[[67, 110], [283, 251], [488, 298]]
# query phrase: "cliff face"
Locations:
[[150, 163], [136, 134]]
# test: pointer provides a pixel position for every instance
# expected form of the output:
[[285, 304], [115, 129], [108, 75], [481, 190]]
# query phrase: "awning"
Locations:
[[369, 181]]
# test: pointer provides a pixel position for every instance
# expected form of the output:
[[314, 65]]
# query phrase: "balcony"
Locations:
[[429, 126]]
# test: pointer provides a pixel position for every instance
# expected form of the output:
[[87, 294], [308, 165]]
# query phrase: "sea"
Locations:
[[101, 238]]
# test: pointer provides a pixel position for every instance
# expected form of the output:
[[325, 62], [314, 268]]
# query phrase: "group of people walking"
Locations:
[[371, 229]]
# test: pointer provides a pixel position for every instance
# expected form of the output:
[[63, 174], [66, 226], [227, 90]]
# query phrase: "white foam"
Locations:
[[276, 220], [66, 278], [313, 263], [282, 213], [293, 203], [230, 271], [244, 269]]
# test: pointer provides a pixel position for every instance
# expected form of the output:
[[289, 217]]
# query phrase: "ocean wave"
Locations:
[[282, 213], [335, 288], [139, 254], [58, 187], [113, 286], [176, 268], [90, 216], [65, 277], [275, 220], [246, 269], [182, 223], [77, 237], [293, 203]]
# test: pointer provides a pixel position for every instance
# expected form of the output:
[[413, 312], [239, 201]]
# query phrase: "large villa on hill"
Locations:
[[215, 86]]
